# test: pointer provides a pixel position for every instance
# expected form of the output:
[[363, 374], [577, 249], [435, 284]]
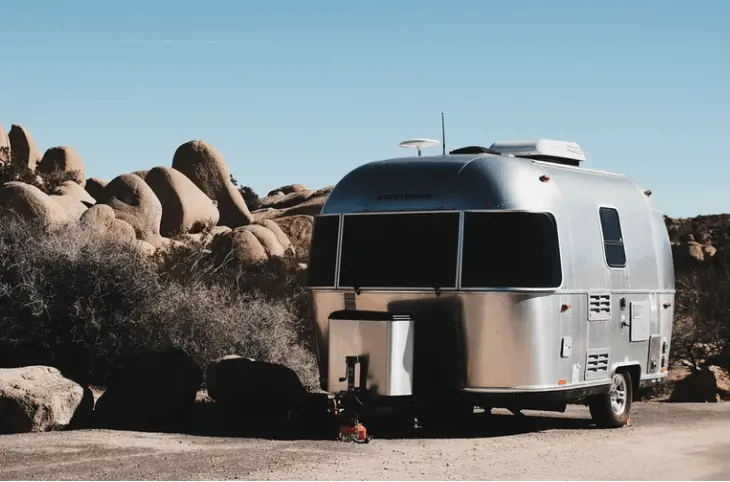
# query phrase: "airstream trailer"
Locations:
[[501, 277]]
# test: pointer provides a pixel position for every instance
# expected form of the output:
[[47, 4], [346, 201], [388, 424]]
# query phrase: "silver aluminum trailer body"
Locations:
[[587, 287]]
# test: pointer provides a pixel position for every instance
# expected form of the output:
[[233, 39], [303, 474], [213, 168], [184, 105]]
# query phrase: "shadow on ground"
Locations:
[[209, 419]]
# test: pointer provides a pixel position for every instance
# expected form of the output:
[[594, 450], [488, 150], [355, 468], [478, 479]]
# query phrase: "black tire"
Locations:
[[612, 410]]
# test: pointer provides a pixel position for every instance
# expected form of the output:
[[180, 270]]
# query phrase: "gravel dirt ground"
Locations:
[[665, 442]]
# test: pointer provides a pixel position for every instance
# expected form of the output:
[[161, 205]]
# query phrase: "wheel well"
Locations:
[[634, 372]]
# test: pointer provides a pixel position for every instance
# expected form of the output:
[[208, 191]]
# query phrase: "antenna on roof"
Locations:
[[418, 144], [443, 136]]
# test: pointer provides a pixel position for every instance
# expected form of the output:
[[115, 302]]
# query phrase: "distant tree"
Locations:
[[233, 180], [252, 199]]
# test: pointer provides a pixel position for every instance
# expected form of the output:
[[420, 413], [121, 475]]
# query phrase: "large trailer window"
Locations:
[[323, 251], [413, 250], [510, 249], [613, 240]]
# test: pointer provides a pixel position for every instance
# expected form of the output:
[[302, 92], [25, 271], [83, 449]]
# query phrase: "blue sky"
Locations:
[[295, 91]]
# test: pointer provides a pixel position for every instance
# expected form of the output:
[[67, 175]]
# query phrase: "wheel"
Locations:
[[612, 410]]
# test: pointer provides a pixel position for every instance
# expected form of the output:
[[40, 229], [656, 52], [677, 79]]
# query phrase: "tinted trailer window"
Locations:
[[323, 251], [510, 250], [405, 250]]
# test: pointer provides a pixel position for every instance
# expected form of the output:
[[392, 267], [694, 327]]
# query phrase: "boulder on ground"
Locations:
[[73, 207], [706, 384], [152, 390], [278, 232], [101, 218], [22, 145], [239, 244], [141, 173], [4, 146], [266, 237], [205, 166], [39, 399], [185, 208], [134, 201], [255, 386], [73, 189], [299, 231], [63, 159], [19, 200], [95, 187]]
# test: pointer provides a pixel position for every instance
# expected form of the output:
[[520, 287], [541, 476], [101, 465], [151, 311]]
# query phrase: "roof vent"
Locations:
[[559, 152]]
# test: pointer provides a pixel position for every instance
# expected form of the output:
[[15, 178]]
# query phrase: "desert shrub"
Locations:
[[278, 281], [701, 332], [86, 304]]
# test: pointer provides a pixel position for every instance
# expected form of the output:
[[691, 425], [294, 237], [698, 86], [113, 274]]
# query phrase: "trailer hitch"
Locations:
[[348, 402]]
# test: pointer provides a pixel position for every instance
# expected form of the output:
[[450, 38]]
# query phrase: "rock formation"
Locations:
[[134, 201], [63, 159], [23, 201], [4, 146], [204, 165], [185, 208], [23, 147], [39, 398], [95, 187]]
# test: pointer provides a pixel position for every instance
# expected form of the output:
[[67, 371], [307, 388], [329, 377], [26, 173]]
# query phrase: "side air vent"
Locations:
[[400, 317], [350, 303], [597, 364], [599, 307]]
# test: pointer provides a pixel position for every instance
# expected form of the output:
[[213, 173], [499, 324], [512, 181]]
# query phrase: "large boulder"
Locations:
[[239, 244], [101, 218], [254, 386], [39, 398], [74, 190], [205, 166], [706, 384], [22, 145], [298, 230], [185, 208], [19, 200], [73, 207], [266, 237], [135, 202], [64, 159], [4, 146], [278, 232], [95, 187], [152, 390]]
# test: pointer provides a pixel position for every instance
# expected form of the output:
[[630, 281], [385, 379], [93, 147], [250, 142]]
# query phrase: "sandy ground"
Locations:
[[665, 442]]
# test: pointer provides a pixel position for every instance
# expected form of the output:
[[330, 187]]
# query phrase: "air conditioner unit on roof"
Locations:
[[561, 152]]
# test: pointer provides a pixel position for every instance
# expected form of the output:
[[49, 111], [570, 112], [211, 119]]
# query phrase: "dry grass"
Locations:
[[86, 304]]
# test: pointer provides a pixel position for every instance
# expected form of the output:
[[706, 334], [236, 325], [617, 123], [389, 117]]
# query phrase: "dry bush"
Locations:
[[86, 304], [701, 332]]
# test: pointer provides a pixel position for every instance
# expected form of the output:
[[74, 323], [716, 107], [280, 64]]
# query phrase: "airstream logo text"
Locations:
[[404, 197]]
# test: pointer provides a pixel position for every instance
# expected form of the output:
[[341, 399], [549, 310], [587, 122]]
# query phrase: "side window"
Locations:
[[613, 241]]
